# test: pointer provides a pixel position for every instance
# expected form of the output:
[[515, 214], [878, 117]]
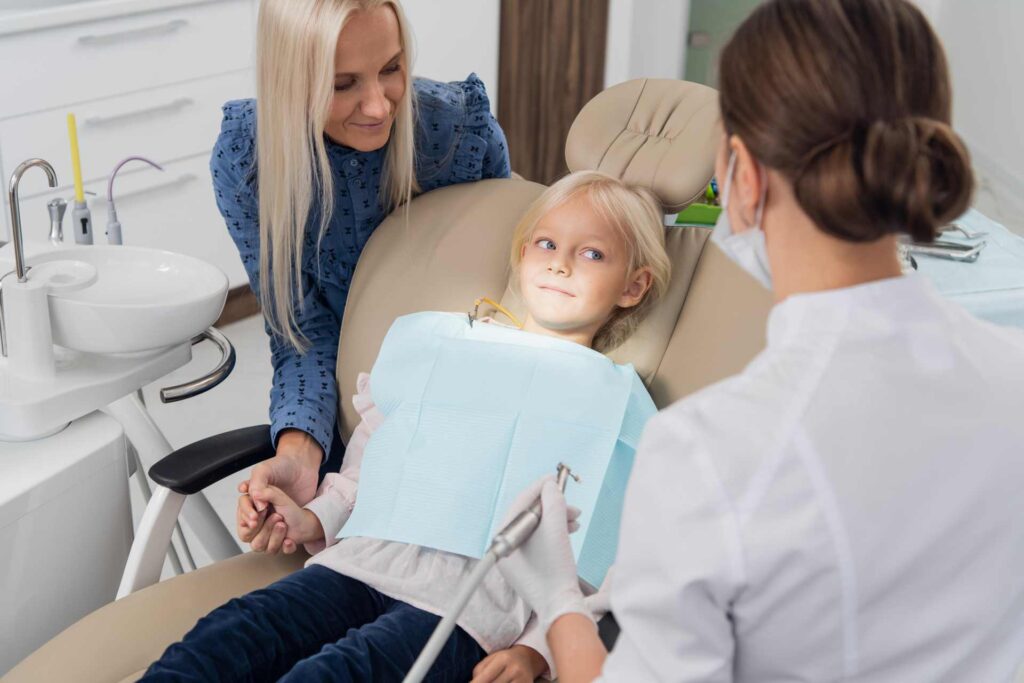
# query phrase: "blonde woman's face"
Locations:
[[574, 273], [369, 81]]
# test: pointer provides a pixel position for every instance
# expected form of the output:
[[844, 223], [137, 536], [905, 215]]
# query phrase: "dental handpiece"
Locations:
[[515, 533]]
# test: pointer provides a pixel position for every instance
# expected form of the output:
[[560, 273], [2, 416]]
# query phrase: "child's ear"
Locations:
[[636, 287]]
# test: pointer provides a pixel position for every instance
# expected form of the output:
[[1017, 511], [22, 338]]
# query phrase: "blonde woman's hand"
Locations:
[[294, 469], [517, 664]]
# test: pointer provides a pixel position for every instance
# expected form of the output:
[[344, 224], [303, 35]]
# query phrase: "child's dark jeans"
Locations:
[[314, 625]]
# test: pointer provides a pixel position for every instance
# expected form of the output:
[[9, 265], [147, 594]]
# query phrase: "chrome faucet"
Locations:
[[12, 196], [19, 250]]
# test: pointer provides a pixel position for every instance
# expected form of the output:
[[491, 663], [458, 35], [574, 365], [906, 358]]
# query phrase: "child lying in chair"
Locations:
[[588, 259]]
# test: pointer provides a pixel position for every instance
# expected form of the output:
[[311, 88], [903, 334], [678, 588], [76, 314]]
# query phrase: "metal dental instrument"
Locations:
[[969, 234], [526, 522], [57, 207], [511, 536], [952, 251]]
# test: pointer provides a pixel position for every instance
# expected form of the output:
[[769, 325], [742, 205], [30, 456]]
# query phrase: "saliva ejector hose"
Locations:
[[81, 215], [513, 535]]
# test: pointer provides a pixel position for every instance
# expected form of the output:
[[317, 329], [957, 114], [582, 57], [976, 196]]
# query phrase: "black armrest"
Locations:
[[191, 469]]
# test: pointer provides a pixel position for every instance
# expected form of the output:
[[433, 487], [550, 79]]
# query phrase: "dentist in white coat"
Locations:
[[849, 506]]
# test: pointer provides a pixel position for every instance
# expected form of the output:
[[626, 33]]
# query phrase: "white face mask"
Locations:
[[747, 249]]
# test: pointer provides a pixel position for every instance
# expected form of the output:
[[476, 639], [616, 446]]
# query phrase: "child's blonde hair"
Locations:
[[636, 214]]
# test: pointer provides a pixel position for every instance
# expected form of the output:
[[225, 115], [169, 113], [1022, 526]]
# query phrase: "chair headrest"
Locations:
[[656, 133]]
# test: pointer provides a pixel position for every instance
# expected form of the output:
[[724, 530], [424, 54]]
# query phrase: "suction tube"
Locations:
[[513, 535]]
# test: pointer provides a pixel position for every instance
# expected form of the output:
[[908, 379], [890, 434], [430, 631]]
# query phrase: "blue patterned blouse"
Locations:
[[457, 140]]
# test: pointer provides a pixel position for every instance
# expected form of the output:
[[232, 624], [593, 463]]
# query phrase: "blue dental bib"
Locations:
[[475, 414]]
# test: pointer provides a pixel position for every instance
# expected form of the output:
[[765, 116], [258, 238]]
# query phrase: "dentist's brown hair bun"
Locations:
[[850, 100]]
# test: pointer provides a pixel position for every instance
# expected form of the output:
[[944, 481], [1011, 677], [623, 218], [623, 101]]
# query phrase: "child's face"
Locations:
[[575, 272]]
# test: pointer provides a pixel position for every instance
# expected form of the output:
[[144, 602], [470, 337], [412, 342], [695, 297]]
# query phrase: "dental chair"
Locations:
[[661, 134]]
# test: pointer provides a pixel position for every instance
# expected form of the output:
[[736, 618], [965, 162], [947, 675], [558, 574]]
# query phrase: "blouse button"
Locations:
[[353, 163]]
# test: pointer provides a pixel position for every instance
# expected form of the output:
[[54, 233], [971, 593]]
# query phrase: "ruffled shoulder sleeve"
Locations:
[[233, 159], [239, 118], [457, 138]]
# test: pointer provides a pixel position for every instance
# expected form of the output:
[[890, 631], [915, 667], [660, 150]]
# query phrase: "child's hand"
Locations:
[[517, 664], [249, 522], [281, 526], [300, 524]]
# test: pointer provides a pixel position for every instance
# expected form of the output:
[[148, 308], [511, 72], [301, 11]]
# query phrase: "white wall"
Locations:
[[456, 37], [986, 56], [646, 38]]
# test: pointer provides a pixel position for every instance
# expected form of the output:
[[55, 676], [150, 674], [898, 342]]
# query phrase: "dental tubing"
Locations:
[[81, 216], [113, 225], [513, 535]]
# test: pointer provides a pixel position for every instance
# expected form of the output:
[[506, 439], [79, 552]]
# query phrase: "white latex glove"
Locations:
[[542, 570]]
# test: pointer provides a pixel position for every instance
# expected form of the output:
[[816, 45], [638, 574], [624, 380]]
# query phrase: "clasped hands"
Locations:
[[269, 514]]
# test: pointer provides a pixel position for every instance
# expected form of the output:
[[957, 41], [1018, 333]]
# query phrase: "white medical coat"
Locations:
[[847, 508]]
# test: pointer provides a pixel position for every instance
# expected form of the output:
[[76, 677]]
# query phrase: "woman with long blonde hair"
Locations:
[[345, 136]]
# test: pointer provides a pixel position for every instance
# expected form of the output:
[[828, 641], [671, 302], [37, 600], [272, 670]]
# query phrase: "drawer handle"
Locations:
[[183, 179], [143, 32], [180, 103]]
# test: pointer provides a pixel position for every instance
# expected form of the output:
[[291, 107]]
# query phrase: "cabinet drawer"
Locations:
[[48, 68], [173, 210], [163, 124]]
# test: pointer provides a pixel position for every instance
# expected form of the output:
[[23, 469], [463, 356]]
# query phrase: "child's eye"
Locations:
[[342, 87], [392, 69], [593, 254], [545, 243]]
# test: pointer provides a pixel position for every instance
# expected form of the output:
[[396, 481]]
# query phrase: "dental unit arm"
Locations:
[[511, 536]]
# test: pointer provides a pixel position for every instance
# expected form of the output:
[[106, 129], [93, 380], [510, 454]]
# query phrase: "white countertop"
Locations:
[[22, 16]]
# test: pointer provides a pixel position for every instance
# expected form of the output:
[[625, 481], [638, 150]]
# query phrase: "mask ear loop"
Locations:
[[497, 307], [730, 168], [759, 213], [727, 190]]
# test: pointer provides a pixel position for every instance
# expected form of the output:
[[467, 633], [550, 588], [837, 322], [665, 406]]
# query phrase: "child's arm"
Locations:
[[337, 494]]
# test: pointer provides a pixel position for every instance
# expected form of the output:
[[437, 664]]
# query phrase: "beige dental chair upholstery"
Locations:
[[452, 249]]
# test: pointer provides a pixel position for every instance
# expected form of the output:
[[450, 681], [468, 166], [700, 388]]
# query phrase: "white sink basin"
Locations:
[[142, 299]]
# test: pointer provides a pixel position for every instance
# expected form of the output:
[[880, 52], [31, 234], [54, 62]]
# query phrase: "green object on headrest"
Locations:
[[699, 214]]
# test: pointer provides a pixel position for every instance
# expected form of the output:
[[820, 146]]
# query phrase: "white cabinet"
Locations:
[[65, 529], [148, 83]]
